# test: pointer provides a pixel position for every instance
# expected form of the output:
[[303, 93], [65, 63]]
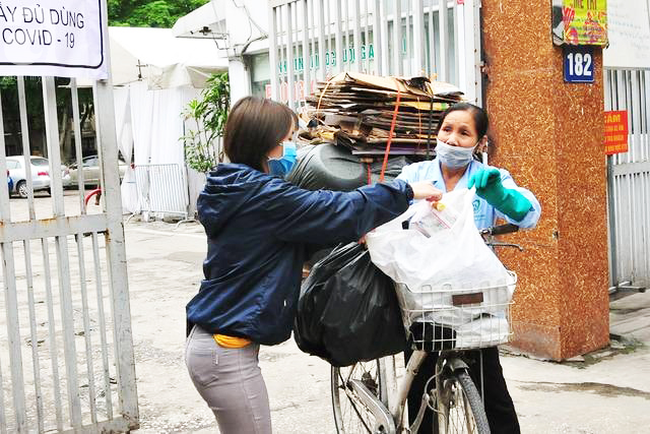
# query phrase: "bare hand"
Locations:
[[425, 190]]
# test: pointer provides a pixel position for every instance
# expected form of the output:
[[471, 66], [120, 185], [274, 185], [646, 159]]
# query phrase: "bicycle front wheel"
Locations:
[[459, 406], [351, 415]]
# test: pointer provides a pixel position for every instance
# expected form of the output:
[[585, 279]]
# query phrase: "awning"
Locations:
[[163, 61], [206, 22]]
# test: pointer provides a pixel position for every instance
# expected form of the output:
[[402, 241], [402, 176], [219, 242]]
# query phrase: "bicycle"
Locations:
[[361, 397]]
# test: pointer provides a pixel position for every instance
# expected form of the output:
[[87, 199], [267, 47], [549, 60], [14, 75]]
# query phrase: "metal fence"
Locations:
[[315, 39], [629, 180], [162, 189], [66, 351]]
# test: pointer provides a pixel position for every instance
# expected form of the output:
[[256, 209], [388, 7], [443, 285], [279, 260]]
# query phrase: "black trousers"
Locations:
[[499, 407]]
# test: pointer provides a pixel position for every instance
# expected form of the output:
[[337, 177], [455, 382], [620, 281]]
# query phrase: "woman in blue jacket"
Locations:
[[462, 129], [260, 229]]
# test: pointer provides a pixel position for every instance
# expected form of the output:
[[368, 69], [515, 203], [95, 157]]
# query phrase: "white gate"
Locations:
[[315, 39], [629, 181], [66, 352]]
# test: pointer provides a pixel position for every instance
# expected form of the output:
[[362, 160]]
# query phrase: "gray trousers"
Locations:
[[230, 381]]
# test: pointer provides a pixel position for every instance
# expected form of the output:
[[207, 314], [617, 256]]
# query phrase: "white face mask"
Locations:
[[454, 157]]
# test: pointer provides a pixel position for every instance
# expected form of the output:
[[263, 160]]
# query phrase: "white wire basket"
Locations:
[[449, 318]]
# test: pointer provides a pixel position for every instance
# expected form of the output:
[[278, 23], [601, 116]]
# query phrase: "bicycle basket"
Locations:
[[460, 319]]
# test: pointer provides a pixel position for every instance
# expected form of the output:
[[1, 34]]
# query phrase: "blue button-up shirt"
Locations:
[[485, 214]]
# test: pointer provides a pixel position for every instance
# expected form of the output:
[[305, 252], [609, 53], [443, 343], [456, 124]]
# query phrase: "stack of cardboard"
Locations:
[[357, 110]]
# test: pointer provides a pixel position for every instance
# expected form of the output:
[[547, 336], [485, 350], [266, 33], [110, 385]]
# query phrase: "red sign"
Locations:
[[616, 132], [298, 91]]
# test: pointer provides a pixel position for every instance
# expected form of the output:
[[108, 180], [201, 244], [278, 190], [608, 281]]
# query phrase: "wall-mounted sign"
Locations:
[[349, 55], [616, 132], [578, 64], [57, 37], [580, 22]]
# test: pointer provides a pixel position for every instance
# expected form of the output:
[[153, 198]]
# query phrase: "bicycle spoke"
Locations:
[[351, 414], [353, 403], [468, 415]]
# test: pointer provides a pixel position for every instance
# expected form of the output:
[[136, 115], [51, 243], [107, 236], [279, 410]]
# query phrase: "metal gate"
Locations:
[[315, 39], [162, 189], [629, 181], [66, 352]]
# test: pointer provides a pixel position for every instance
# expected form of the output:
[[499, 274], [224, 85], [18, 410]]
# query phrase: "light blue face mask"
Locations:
[[454, 157], [283, 165]]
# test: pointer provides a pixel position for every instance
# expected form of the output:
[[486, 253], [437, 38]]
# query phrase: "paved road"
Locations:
[[608, 392]]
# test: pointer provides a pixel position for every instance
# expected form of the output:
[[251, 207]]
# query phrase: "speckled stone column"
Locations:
[[549, 135]]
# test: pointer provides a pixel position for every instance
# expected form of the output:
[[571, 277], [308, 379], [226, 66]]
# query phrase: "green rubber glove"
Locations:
[[488, 186]]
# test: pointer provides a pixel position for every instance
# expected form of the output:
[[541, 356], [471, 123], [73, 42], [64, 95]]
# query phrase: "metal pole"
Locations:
[[24, 130], [397, 38], [338, 56], [377, 42], [116, 254], [65, 292], [11, 308], [418, 40], [306, 52], [442, 17], [357, 35], [290, 57], [77, 144], [321, 41], [273, 53]]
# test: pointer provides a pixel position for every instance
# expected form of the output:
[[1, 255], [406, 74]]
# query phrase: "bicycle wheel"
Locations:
[[459, 406], [351, 415]]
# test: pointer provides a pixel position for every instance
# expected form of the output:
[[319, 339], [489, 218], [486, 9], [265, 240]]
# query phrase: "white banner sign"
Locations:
[[61, 38], [629, 34]]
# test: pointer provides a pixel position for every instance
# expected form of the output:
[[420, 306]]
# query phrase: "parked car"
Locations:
[[40, 168], [91, 170], [40, 174]]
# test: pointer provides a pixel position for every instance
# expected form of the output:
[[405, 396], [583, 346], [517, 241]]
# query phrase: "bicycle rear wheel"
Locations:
[[459, 406], [351, 415]]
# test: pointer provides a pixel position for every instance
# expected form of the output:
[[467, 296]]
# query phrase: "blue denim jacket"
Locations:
[[259, 230]]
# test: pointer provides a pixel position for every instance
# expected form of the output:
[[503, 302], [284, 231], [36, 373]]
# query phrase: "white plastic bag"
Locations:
[[484, 332], [451, 261]]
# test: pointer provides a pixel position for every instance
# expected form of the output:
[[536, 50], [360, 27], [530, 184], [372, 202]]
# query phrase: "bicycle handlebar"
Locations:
[[507, 228]]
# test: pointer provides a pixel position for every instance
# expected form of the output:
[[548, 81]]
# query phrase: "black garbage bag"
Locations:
[[348, 310]]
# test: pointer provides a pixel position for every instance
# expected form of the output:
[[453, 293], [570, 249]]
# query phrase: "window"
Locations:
[[40, 162], [90, 161], [260, 73]]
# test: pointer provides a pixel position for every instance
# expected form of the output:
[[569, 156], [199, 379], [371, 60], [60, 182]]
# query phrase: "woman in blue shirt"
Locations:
[[260, 230], [461, 131]]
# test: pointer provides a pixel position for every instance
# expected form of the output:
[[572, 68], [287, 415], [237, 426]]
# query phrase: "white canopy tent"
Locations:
[[206, 22], [155, 75]]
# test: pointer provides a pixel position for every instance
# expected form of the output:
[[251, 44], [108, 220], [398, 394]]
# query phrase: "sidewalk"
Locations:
[[607, 392]]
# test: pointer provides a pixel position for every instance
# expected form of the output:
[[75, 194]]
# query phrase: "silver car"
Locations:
[[40, 168], [91, 170]]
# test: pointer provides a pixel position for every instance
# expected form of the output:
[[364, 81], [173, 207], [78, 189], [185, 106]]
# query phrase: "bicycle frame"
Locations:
[[389, 420], [386, 418]]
